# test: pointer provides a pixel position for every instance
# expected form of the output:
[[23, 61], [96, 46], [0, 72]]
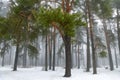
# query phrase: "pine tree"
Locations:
[[67, 23]]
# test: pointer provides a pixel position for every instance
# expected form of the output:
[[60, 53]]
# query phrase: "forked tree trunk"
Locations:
[[108, 46], [26, 43], [17, 47], [66, 7], [88, 42], [92, 37], [67, 42]]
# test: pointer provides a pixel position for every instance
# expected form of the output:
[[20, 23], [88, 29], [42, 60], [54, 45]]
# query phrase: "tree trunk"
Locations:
[[92, 37], [3, 52], [88, 51], [54, 49], [16, 57], [25, 56], [31, 61], [26, 43], [118, 30], [116, 61], [108, 46], [17, 47], [3, 60], [72, 64], [67, 41], [78, 56], [36, 60], [58, 53], [103, 61], [10, 56], [50, 52], [88, 44], [46, 55], [93, 53]]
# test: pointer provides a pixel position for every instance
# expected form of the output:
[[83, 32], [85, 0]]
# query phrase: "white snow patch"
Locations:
[[38, 74]]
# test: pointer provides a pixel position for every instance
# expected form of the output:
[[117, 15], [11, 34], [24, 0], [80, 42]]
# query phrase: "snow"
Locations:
[[37, 74]]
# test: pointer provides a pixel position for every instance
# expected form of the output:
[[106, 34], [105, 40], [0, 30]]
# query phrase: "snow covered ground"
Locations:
[[37, 74]]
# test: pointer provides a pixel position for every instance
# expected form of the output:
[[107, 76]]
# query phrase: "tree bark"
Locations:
[[36, 60], [25, 56], [50, 51], [46, 55], [88, 51], [10, 56], [72, 58], [108, 46], [92, 37], [17, 47], [54, 49], [3, 60], [78, 56], [116, 61], [3, 53], [67, 55], [16, 57], [118, 29], [88, 43]]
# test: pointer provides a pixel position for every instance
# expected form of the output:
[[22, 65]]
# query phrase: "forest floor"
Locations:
[[37, 73]]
